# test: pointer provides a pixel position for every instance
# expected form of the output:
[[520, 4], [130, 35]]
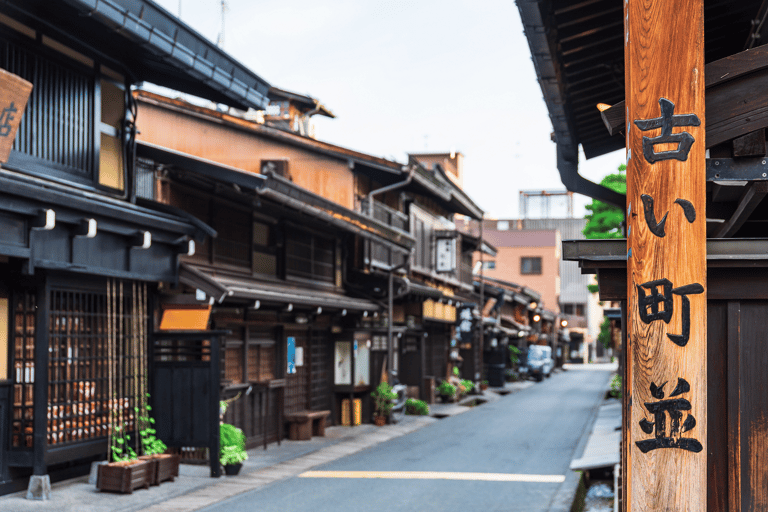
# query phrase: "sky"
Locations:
[[408, 77]]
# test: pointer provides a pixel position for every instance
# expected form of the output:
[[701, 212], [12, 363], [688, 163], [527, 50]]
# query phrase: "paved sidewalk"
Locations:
[[194, 489]]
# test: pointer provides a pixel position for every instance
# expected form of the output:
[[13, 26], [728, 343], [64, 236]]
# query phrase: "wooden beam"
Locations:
[[729, 82], [752, 197], [666, 258]]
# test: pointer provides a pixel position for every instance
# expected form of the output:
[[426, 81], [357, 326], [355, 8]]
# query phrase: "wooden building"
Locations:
[[411, 205], [82, 255], [578, 52]]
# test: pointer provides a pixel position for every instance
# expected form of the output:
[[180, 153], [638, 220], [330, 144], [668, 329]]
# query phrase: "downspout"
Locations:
[[386, 189], [390, 278], [390, 313]]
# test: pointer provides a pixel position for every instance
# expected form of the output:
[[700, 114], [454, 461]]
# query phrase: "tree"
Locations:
[[606, 220]]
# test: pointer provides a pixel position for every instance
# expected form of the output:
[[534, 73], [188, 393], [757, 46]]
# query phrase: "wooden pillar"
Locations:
[[666, 256]]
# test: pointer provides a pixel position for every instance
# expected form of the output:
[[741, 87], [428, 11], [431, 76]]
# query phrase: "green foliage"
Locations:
[[121, 450], [615, 391], [605, 333], [456, 371], [150, 444], [382, 398], [416, 407], [605, 220], [514, 354], [593, 288], [231, 445], [467, 386], [445, 388]]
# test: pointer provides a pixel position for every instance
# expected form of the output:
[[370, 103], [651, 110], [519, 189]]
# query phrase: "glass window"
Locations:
[[489, 265], [530, 265]]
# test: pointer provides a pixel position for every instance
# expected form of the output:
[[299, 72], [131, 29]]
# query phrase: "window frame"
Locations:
[[533, 271]]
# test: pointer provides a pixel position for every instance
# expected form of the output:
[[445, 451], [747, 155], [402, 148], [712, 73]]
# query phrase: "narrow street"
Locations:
[[524, 442]]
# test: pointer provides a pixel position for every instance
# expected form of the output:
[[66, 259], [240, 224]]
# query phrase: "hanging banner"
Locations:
[[290, 352]]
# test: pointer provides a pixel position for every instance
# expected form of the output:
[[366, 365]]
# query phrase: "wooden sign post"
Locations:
[[666, 448]]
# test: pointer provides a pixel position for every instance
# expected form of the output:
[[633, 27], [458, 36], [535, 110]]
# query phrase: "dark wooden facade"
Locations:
[[81, 257]]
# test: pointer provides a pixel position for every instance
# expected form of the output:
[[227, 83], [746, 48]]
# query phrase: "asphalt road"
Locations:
[[530, 436]]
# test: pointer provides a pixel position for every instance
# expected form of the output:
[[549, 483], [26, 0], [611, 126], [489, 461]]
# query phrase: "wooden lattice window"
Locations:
[[23, 369], [97, 360], [233, 361], [261, 360], [309, 256]]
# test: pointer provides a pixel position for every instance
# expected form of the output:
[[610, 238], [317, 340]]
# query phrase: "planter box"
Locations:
[[162, 467], [123, 477]]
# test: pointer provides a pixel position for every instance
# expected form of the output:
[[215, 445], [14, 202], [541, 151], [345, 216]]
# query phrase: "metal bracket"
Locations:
[[742, 169]]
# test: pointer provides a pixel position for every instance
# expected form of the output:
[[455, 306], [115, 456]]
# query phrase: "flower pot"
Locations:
[[232, 469], [124, 476], [163, 467], [380, 421]]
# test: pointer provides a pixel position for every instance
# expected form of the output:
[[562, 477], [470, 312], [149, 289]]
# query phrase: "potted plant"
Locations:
[[383, 398], [446, 391], [484, 385], [163, 466], [232, 448], [126, 472]]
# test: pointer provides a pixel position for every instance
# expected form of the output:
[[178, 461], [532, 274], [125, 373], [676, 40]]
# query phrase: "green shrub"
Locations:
[[467, 385], [416, 407], [514, 354], [615, 391], [382, 398], [445, 388], [232, 445]]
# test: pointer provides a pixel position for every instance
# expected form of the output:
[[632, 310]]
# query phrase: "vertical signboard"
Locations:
[[666, 256], [14, 93], [290, 351]]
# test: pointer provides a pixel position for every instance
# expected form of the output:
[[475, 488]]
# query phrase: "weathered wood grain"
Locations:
[[664, 59], [14, 93]]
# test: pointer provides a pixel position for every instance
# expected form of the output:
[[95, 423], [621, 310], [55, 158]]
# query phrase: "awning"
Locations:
[[517, 325], [225, 286], [420, 290]]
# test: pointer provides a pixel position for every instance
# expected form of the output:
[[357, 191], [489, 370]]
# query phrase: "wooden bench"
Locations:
[[304, 424]]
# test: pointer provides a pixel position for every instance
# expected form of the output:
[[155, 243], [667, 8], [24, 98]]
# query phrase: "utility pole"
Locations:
[[666, 447], [224, 9]]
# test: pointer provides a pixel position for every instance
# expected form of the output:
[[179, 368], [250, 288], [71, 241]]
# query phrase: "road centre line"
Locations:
[[436, 475]]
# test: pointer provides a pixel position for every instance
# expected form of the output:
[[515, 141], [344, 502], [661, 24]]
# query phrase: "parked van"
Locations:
[[540, 362]]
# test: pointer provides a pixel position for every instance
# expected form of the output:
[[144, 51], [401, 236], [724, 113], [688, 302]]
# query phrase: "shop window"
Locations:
[[530, 265], [96, 360], [23, 369]]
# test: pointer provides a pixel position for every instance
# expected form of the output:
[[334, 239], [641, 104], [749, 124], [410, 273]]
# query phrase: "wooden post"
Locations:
[[666, 256]]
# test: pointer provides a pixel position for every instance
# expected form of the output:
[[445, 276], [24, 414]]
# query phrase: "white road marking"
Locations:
[[437, 475]]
